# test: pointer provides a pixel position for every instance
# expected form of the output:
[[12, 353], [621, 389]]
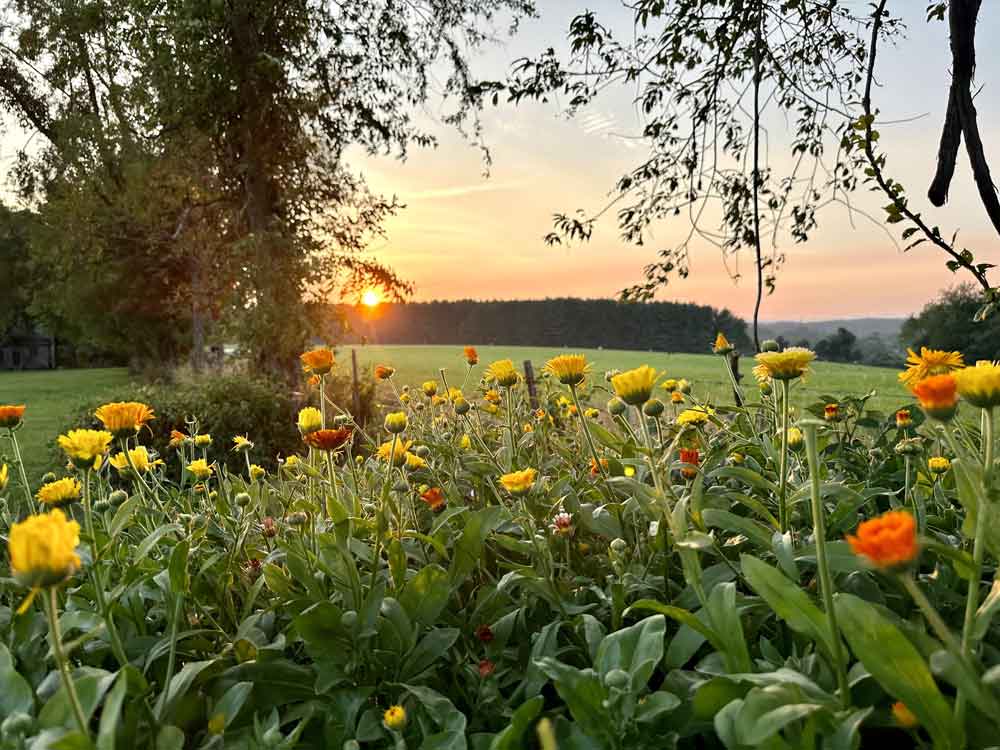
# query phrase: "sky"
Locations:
[[465, 235]]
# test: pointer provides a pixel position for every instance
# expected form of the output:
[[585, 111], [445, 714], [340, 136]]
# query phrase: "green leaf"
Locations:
[[431, 647], [846, 736], [946, 665], [723, 519], [985, 613], [725, 618], [147, 544], [469, 548], [544, 645], [443, 712], [232, 701], [788, 601], [91, 685], [682, 616], [426, 594], [513, 737], [636, 649], [584, 695], [896, 664], [111, 714], [123, 515], [177, 567], [180, 684], [16, 695], [170, 738]]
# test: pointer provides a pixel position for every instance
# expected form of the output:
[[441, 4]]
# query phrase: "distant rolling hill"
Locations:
[[814, 330]]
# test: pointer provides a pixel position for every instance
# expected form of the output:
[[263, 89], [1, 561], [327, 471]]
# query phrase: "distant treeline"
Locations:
[[583, 323]]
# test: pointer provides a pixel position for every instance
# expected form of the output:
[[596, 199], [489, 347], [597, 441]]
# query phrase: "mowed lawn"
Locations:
[[51, 396], [414, 364]]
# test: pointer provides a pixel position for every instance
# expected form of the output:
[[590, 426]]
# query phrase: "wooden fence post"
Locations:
[[529, 378], [355, 388]]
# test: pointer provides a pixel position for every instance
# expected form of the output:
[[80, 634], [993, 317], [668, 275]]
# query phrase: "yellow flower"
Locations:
[[669, 385], [519, 482], [59, 492], [980, 385], [310, 420], [492, 396], [202, 441], [454, 393], [200, 469], [242, 443], [414, 462], [429, 387], [465, 443], [398, 455], [795, 438], [929, 362], [571, 369], [787, 365], [938, 464], [140, 459], [503, 372], [634, 387], [43, 550], [395, 718], [591, 413], [85, 448], [257, 472], [697, 415], [395, 422], [318, 361], [292, 462], [124, 418], [4, 476], [722, 345]]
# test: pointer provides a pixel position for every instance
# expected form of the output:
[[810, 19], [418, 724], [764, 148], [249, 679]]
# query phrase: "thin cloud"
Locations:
[[461, 190]]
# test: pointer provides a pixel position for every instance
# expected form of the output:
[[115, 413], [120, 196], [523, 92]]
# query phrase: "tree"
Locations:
[[204, 142], [708, 73], [14, 268], [948, 323], [838, 347]]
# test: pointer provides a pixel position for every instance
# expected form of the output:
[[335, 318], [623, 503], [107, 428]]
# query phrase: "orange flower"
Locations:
[[594, 470], [434, 497], [383, 372], [123, 419], [318, 361], [328, 440], [10, 416], [938, 396], [471, 355], [693, 458], [904, 716], [177, 438], [888, 541], [831, 412], [903, 418]]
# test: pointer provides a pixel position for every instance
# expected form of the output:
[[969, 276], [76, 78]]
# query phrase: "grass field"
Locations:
[[51, 395]]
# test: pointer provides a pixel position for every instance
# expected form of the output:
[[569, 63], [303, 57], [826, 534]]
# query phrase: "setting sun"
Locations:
[[371, 298]]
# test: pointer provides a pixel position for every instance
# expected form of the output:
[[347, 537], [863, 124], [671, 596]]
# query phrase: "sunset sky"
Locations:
[[463, 235]]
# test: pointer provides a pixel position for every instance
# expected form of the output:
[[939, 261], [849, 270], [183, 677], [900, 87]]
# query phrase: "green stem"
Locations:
[[98, 579], [978, 553], [172, 655], [586, 432], [51, 611], [783, 460], [29, 501], [933, 618], [822, 563]]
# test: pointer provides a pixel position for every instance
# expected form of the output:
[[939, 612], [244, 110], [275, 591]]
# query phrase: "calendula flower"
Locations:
[[328, 440], [562, 524], [595, 468], [429, 387], [929, 362], [177, 439], [722, 345], [980, 385], [395, 422], [43, 551], [677, 397], [85, 448], [692, 458], [310, 420], [938, 464], [200, 469], [318, 361], [937, 396], [292, 463], [519, 482], [471, 356], [492, 396], [257, 472], [904, 716], [903, 418], [140, 459], [11, 416], [669, 385], [242, 443], [787, 365], [697, 415], [58, 493], [888, 541], [384, 372], [486, 668], [736, 458], [485, 634], [414, 462], [591, 413], [831, 412], [395, 718], [454, 394], [124, 418], [570, 369], [503, 372], [684, 385], [433, 497], [399, 455], [795, 438], [202, 441], [4, 476], [465, 443], [634, 387]]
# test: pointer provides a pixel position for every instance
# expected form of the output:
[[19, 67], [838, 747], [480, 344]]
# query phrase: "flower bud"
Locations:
[[395, 422], [242, 499], [770, 345], [616, 406], [117, 497], [653, 408], [462, 406]]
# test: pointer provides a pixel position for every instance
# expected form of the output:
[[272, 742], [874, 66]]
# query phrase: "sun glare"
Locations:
[[371, 298]]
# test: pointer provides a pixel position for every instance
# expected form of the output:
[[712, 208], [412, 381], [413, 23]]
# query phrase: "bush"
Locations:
[[225, 406]]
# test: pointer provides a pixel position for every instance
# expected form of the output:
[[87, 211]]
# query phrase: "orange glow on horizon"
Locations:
[[371, 298]]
